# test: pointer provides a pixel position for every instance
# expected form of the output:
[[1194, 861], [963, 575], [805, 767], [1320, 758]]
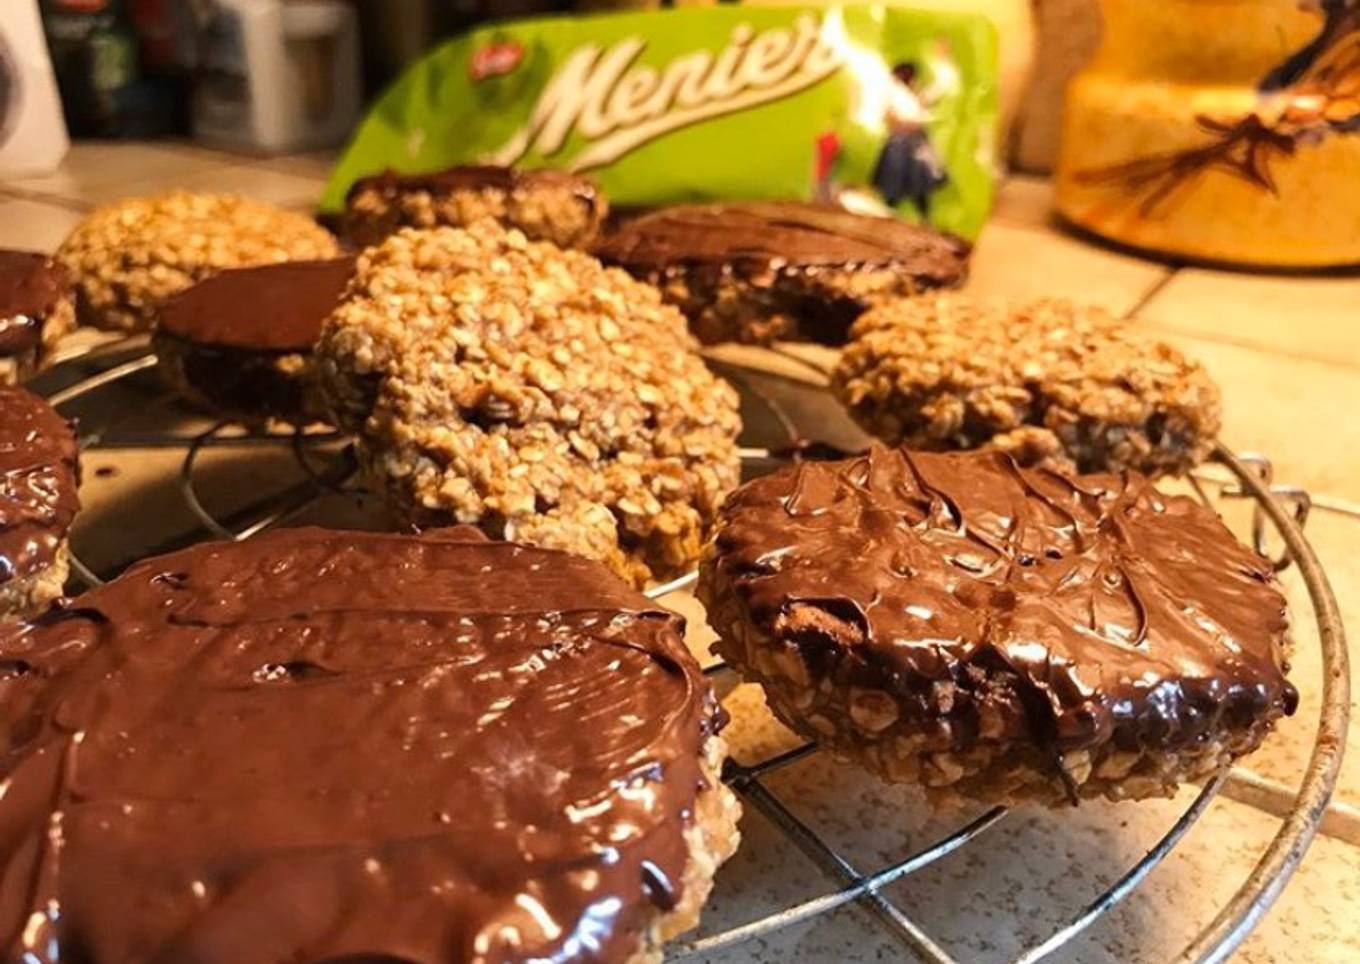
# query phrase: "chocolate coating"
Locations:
[[470, 177], [31, 285], [1124, 614], [39, 483], [781, 233], [320, 745], [276, 307]]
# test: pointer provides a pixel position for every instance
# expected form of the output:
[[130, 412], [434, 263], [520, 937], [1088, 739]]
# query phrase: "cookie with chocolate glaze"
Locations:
[[764, 271], [37, 308], [39, 497], [239, 343], [128, 256], [555, 206], [1000, 633], [319, 746]]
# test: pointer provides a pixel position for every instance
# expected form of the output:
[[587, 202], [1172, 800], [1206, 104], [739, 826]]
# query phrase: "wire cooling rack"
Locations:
[[1279, 513]]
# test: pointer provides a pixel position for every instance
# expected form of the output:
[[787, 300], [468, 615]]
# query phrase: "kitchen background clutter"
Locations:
[[276, 76]]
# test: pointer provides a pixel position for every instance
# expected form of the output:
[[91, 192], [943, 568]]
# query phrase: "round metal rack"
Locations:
[[1279, 514]]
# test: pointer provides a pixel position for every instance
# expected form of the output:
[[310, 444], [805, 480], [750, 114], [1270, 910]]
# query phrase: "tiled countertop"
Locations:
[[1286, 351]]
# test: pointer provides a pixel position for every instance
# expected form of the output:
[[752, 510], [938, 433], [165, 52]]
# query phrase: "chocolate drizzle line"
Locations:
[[39, 483], [321, 745], [1124, 613]]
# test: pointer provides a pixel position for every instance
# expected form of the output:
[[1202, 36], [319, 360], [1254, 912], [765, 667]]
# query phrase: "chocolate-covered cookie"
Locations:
[[36, 309], [555, 206], [322, 746], [998, 632], [39, 497], [239, 342], [127, 257], [762, 271]]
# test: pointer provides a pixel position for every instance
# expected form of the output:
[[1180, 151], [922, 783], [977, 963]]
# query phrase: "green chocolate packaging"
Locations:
[[875, 108]]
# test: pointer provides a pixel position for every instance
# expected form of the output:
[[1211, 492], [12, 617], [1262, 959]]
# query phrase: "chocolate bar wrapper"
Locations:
[[879, 109]]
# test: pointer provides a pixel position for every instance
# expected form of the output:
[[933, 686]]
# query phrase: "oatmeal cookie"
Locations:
[[39, 483], [317, 745], [764, 271], [1051, 382], [128, 257], [565, 209], [530, 391], [1000, 633], [37, 309], [239, 343]]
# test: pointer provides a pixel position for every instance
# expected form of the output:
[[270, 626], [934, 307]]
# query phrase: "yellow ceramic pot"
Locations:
[[1224, 130]]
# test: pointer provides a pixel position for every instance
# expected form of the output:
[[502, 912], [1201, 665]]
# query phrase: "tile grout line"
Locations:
[[1247, 345], [1152, 292]]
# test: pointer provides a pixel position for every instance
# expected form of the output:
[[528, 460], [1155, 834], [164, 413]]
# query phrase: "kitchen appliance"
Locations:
[[276, 76], [32, 130]]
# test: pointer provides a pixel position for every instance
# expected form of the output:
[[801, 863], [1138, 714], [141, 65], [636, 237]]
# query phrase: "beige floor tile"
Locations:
[[1296, 411], [1287, 408], [1024, 879], [1336, 539], [1307, 317], [34, 225], [1015, 262], [312, 164], [1025, 200], [100, 171], [261, 183]]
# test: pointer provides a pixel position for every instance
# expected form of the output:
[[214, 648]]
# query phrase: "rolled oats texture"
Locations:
[[35, 593], [532, 392], [544, 212], [125, 258], [1052, 382], [883, 730]]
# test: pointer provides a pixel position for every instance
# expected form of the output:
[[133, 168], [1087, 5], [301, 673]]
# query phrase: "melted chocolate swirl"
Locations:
[[324, 745], [1124, 613]]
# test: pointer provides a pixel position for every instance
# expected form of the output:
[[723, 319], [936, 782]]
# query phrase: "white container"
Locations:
[[276, 76], [32, 129]]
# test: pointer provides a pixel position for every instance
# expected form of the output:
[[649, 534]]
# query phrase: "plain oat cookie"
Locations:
[[1051, 382], [126, 258], [530, 391]]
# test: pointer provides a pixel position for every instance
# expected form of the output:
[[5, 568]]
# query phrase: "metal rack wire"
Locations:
[[328, 467]]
